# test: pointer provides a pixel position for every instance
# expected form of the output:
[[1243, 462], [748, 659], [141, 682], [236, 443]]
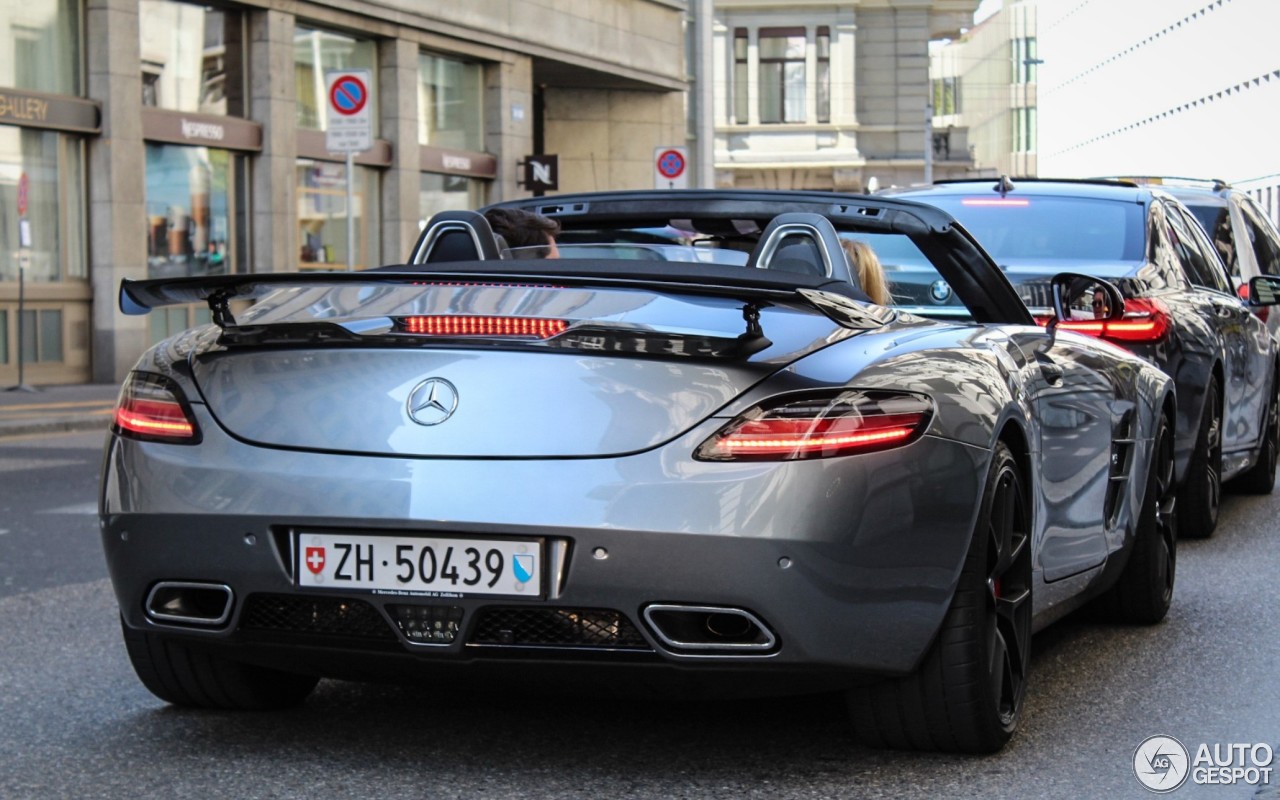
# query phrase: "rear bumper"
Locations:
[[849, 564]]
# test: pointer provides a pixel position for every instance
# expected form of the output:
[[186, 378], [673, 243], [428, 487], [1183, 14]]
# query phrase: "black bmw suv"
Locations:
[[1182, 311]]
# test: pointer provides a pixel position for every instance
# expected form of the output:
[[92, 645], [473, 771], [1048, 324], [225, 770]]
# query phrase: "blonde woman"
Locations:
[[868, 269]]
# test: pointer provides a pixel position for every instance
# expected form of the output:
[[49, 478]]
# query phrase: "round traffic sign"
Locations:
[[24, 188], [348, 95], [671, 164]]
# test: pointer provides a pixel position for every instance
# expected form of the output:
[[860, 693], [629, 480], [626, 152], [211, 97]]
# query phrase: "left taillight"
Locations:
[[152, 408], [820, 426]]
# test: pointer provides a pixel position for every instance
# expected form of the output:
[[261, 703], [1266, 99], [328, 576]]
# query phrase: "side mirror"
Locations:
[[1082, 297], [1264, 290]]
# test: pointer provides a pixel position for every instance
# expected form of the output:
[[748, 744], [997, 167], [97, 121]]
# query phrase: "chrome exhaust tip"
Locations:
[[189, 603], [709, 629]]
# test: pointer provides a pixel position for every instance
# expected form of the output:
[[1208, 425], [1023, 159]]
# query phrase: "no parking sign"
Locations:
[[350, 125], [671, 168]]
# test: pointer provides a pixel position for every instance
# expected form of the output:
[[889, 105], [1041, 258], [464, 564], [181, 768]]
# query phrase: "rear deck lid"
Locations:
[[613, 371]]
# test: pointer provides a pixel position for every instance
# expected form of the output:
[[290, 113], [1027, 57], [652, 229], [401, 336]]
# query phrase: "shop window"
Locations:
[[39, 204], [165, 322], [43, 38], [946, 96], [782, 75], [41, 335], [1024, 130], [448, 193], [193, 203], [314, 52], [193, 57], [741, 82], [450, 103], [322, 215], [822, 46]]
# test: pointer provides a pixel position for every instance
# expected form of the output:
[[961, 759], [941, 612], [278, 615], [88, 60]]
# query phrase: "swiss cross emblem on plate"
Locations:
[[314, 556]]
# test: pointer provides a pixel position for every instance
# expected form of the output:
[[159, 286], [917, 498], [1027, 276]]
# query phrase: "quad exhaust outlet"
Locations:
[[189, 603], [709, 629]]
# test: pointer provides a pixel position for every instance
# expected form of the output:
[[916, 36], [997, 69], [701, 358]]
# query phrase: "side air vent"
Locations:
[[1119, 469]]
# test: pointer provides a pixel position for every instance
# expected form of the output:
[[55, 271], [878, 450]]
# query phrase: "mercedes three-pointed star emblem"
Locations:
[[433, 401]]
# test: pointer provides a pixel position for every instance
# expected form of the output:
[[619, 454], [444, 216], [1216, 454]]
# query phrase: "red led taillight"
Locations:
[[1145, 321], [151, 407], [1261, 312], [821, 426], [460, 325]]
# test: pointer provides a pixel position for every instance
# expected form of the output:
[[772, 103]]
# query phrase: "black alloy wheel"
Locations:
[[1201, 494], [1008, 595], [967, 695]]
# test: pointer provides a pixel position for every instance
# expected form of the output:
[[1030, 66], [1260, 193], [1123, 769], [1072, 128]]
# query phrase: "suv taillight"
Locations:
[[820, 426], [152, 408], [1146, 320], [1261, 312]]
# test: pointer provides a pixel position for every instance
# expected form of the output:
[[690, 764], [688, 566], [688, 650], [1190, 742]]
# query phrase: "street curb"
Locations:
[[31, 427]]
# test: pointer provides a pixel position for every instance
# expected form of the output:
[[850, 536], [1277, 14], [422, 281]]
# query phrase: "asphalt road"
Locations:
[[74, 721]]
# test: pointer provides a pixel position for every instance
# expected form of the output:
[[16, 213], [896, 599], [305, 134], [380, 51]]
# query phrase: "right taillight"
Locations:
[[820, 426], [1145, 320], [152, 408], [1260, 312]]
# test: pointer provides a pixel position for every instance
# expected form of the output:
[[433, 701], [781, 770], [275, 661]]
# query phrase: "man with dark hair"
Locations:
[[522, 228]]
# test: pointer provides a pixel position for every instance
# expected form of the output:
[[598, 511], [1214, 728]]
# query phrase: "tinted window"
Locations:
[[1036, 228], [1266, 242], [1216, 221]]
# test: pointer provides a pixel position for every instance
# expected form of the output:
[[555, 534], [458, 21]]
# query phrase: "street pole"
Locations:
[[351, 212], [22, 385], [704, 71], [928, 143]]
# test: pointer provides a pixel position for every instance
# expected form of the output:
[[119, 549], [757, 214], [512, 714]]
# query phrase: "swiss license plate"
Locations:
[[419, 565]]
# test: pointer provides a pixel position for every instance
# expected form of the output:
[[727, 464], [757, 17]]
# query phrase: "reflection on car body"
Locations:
[[732, 475], [1182, 311]]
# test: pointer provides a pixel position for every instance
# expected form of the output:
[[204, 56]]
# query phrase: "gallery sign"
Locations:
[[38, 110]]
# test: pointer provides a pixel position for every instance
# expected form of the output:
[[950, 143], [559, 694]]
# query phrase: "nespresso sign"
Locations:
[[160, 125], [458, 162], [37, 110]]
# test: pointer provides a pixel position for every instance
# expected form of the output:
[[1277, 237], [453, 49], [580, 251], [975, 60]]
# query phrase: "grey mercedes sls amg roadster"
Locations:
[[689, 446]]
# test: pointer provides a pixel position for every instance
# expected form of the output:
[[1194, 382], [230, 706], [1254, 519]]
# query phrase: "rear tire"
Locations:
[[1142, 593], [1261, 477], [1201, 493], [183, 675], [967, 694]]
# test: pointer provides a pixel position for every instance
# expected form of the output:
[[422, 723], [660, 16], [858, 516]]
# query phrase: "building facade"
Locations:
[[157, 138], [820, 94], [985, 92]]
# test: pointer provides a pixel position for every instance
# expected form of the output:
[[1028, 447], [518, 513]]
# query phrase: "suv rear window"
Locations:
[[1019, 228]]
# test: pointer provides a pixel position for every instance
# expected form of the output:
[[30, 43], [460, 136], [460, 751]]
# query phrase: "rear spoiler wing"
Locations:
[[756, 288]]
